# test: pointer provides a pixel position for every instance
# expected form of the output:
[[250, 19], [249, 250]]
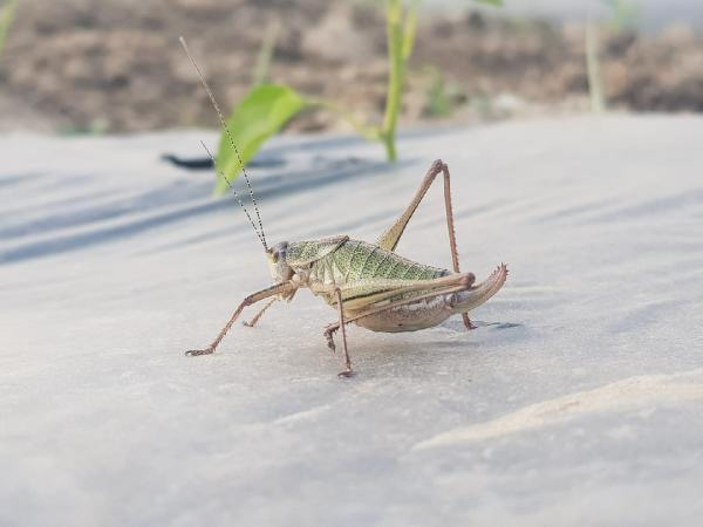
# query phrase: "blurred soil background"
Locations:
[[99, 66]]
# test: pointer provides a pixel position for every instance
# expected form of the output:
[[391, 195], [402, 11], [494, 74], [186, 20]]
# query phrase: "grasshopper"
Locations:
[[367, 284]]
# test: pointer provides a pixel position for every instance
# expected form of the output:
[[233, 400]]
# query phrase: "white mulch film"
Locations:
[[578, 401]]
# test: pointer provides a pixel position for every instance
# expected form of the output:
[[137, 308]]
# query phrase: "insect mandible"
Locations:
[[367, 284]]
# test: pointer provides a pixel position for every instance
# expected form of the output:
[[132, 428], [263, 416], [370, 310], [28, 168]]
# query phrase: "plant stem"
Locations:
[[595, 81], [394, 34], [263, 61]]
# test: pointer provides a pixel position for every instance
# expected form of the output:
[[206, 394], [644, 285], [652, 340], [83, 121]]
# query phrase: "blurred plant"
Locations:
[[623, 15], [595, 80], [96, 127], [441, 97], [7, 15], [267, 108], [437, 100], [263, 62], [483, 106]]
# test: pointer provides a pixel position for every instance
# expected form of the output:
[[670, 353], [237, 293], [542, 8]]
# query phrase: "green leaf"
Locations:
[[262, 114], [497, 3]]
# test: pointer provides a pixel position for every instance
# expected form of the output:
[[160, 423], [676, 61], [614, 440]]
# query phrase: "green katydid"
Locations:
[[368, 284]]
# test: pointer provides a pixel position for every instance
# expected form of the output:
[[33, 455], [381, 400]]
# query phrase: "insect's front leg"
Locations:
[[277, 289]]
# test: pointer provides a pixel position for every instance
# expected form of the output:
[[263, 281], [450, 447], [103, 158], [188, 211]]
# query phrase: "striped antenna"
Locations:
[[235, 194], [260, 231]]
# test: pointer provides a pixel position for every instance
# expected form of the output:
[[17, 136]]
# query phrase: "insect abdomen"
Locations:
[[357, 260]]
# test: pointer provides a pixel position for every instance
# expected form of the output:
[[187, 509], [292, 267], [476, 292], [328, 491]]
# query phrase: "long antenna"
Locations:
[[236, 195], [260, 232]]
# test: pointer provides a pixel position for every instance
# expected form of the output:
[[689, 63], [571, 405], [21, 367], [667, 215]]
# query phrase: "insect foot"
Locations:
[[195, 353], [346, 374]]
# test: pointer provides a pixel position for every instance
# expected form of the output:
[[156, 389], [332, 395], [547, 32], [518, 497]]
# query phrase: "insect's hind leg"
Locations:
[[444, 285], [452, 233], [389, 239]]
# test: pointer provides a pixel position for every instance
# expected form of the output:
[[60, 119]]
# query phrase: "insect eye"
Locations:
[[278, 253]]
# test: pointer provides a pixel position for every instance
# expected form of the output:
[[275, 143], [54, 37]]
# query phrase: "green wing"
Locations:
[[300, 254]]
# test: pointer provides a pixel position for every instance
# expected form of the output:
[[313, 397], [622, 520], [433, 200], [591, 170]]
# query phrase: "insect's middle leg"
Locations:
[[389, 239], [341, 323], [347, 372]]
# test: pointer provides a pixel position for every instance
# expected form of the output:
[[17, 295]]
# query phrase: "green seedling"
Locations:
[[267, 108], [368, 284]]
